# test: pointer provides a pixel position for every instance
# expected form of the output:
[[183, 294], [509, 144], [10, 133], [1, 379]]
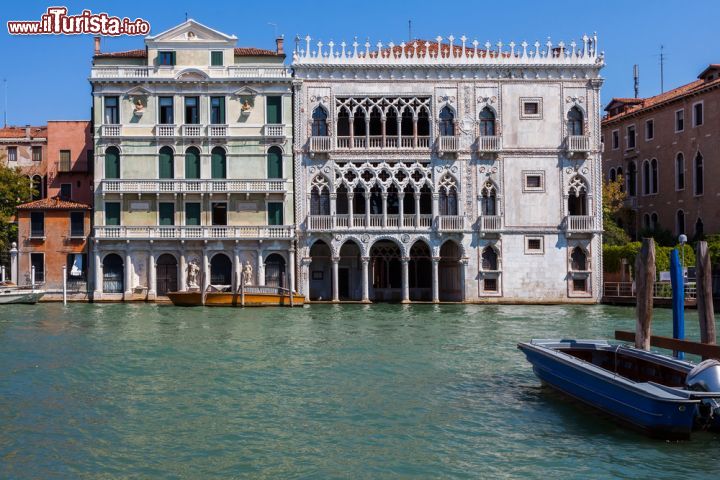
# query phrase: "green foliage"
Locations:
[[613, 255], [14, 190], [662, 236], [614, 212], [713, 242]]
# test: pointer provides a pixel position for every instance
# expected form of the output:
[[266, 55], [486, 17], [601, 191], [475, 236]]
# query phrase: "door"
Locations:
[[167, 213], [219, 213], [274, 110], [112, 213], [192, 214], [218, 163], [192, 163], [344, 283], [167, 280], [275, 213], [165, 163]]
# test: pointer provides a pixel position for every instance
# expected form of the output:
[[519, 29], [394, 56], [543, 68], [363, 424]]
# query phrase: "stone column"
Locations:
[[415, 131], [183, 274], [260, 268], [383, 119], [367, 209], [463, 276], [417, 209], [98, 287], [237, 269], [291, 269], [384, 209], [365, 279], [205, 271], [351, 121], [435, 282], [401, 209], [335, 283], [128, 273], [305, 265], [152, 275], [405, 280], [14, 263], [351, 211], [435, 204]]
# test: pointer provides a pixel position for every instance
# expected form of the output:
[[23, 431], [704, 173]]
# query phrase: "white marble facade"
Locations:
[[448, 171]]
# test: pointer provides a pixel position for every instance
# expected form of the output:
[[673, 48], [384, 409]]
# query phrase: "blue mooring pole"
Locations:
[[678, 298]]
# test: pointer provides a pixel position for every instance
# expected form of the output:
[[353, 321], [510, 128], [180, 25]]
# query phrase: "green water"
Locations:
[[384, 391]]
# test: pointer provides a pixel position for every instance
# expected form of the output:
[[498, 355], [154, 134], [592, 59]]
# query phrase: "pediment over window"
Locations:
[[246, 92], [191, 31], [138, 92]]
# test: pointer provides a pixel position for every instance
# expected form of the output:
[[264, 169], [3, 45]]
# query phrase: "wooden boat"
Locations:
[[660, 395], [11, 293], [246, 296]]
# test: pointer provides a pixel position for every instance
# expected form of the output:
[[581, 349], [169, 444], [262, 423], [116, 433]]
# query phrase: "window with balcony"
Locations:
[[219, 213], [577, 196], [699, 175], [112, 213], [166, 213], [37, 153], [166, 111], [77, 224], [166, 58], [216, 59], [12, 154], [319, 122], [274, 109], [218, 163], [274, 162], [192, 163], [488, 200], [448, 200], [66, 191], [446, 124], [575, 122], [112, 110], [275, 213], [37, 224], [487, 123], [37, 263], [112, 163], [192, 110], [192, 213], [320, 198], [630, 138], [166, 163], [679, 172], [217, 110]]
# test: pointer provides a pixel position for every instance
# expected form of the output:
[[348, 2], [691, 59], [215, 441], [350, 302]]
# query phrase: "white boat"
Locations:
[[13, 294]]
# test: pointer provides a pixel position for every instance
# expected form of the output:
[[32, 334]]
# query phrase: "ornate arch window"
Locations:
[[448, 196], [575, 122], [578, 260], [488, 199], [447, 122], [487, 123], [319, 122], [489, 259], [343, 123], [577, 196], [319, 196]]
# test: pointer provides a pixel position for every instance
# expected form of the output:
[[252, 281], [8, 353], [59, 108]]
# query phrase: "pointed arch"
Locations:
[[446, 121], [488, 199], [577, 196], [487, 122], [575, 121], [319, 122]]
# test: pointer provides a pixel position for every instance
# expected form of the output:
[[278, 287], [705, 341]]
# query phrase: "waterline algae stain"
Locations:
[[351, 391]]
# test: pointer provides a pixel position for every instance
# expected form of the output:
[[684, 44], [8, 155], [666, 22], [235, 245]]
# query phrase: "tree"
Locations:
[[615, 213], [15, 189]]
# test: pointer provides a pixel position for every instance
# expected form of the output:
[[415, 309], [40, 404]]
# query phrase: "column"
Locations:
[[335, 283], [237, 269], [405, 280], [14, 263], [291, 269], [305, 263], [333, 209], [401, 209], [415, 131], [128, 273], [367, 131], [463, 276], [97, 288], [260, 268], [183, 275], [205, 271], [367, 209], [417, 209], [383, 119], [384, 209], [152, 275], [351, 211], [365, 279], [351, 121], [435, 204], [399, 132], [435, 282]]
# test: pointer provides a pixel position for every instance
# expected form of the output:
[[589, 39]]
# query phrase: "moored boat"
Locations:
[[247, 296], [10, 293], [660, 395]]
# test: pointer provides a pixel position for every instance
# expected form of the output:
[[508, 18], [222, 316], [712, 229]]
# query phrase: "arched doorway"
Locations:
[[112, 163], [192, 163], [320, 271], [113, 274], [167, 274], [218, 164], [350, 272], [450, 287], [275, 271], [386, 271], [220, 270], [166, 163], [420, 272], [274, 162]]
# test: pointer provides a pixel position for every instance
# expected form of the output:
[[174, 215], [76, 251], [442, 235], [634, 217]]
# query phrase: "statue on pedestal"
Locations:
[[247, 274], [192, 273]]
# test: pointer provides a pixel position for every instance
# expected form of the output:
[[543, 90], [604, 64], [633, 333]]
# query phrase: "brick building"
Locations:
[[667, 149], [70, 160], [26, 148]]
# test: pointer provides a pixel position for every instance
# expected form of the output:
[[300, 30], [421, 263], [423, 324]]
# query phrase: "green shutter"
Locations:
[[112, 163], [192, 214], [192, 164], [166, 163], [216, 59], [275, 213], [172, 57], [112, 213], [274, 109], [218, 168], [222, 110], [274, 163], [167, 213]]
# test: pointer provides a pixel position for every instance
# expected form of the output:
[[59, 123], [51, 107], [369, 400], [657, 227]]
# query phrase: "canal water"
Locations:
[[352, 391]]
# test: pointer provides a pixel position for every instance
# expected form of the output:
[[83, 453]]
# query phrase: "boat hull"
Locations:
[[651, 410], [227, 299], [20, 297]]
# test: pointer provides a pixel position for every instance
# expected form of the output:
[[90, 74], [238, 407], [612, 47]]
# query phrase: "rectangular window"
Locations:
[[64, 165], [192, 214], [649, 129], [531, 108], [216, 59], [66, 191], [37, 154], [275, 213], [37, 224], [192, 112], [77, 266], [112, 213], [274, 109], [12, 154], [112, 110], [698, 114], [533, 245], [37, 260], [166, 110], [630, 136], [77, 224], [533, 182], [166, 58], [490, 284], [615, 139], [217, 110], [579, 284], [166, 213], [219, 213], [680, 120]]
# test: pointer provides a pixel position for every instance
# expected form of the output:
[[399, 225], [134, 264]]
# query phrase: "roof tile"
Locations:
[[54, 203]]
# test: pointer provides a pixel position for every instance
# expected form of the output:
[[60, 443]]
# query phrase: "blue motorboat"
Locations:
[[660, 395]]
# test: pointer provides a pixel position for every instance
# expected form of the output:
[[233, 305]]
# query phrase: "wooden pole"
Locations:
[[706, 313], [645, 281]]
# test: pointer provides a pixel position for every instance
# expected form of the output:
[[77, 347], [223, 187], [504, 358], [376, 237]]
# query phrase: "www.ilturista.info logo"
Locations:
[[56, 21]]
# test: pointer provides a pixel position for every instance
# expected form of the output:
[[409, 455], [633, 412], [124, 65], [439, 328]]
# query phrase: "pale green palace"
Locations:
[[193, 165]]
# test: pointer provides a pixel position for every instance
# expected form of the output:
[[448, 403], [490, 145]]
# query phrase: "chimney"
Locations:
[[97, 45], [279, 45], [27, 131]]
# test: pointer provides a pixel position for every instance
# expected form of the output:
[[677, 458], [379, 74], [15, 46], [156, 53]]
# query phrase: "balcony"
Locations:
[[193, 186], [451, 223], [489, 144], [322, 223], [217, 131], [577, 144], [218, 232], [232, 71], [578, 224], [489, 224], [164, 130], [320, 144], [448, 144], [110, 130], [380, 143], [275, 130], [191, 130]]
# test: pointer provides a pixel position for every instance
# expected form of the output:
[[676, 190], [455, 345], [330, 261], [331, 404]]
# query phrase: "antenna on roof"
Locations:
[[636, 79], [409, 30], [5, 111], [662, 69], [274, 25]]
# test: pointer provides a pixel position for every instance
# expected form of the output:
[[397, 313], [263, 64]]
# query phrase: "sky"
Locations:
[[47, 75]]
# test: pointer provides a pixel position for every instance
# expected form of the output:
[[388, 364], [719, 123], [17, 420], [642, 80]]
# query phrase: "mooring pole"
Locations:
[[32, 278], [678, 299], [2, 274], [645, 281], [706, 313], [64, 274]]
